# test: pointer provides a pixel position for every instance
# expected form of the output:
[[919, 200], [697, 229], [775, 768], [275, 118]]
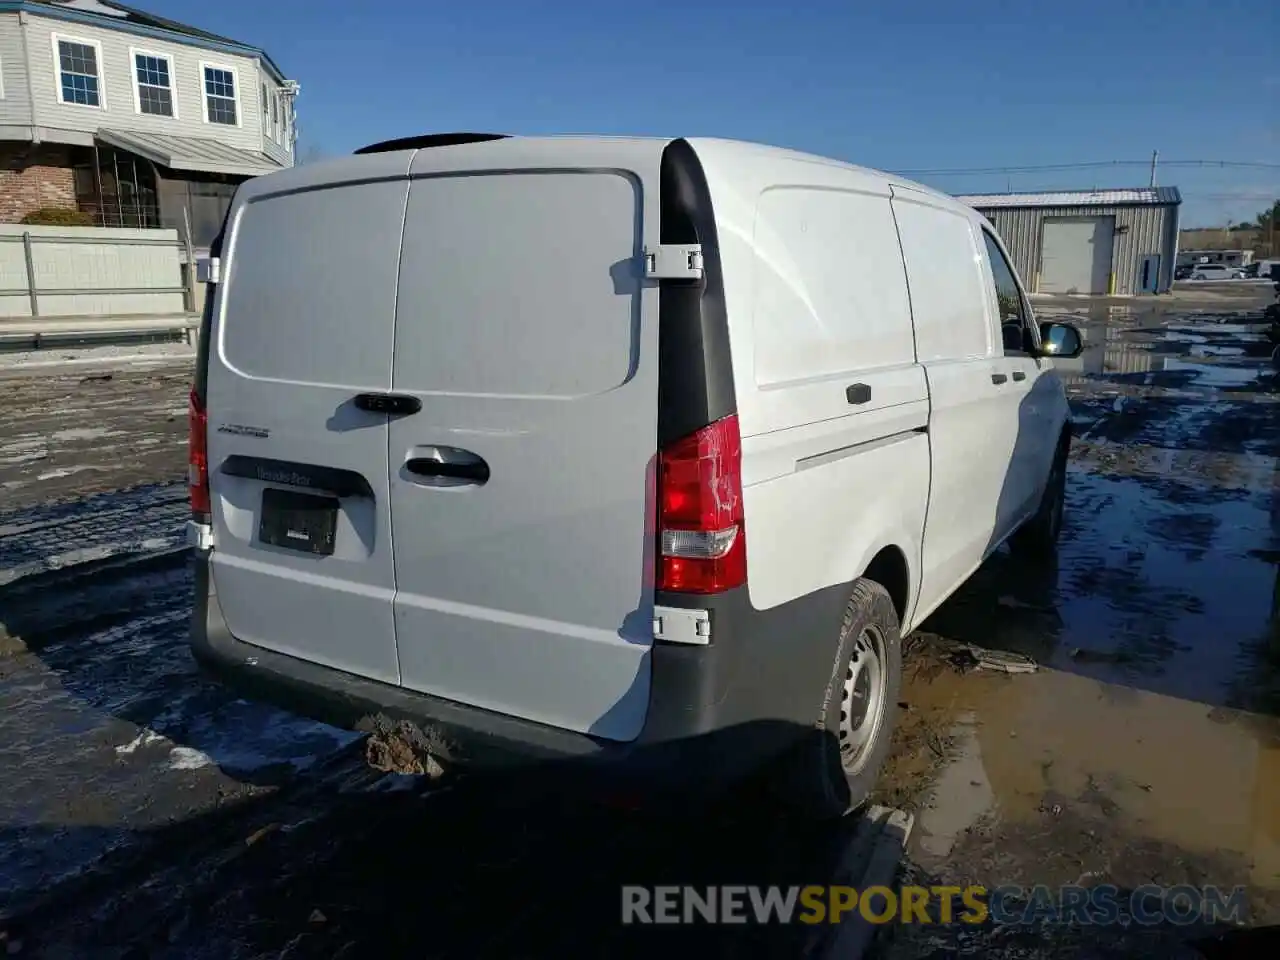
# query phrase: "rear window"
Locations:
[[310, 286]]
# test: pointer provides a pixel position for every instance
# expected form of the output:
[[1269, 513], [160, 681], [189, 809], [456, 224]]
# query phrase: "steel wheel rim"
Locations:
[[862, 699]]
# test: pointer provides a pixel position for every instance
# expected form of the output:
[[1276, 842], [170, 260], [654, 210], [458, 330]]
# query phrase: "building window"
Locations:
[[154, 80], [78, 78], [266, 129], [220, 96], [119, 191], [275, 118]]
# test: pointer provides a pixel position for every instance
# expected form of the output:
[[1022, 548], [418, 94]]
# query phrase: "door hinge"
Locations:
[[678, 625], [200, 536], [673, 261], [209, 270]]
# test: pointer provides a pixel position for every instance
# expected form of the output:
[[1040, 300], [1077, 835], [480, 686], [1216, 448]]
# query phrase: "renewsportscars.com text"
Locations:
[[1102, 905]]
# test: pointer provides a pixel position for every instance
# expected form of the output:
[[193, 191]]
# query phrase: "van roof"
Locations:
[[481, 145]]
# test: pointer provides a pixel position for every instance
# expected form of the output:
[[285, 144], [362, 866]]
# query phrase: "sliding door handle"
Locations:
[[999, 378], [857, 393], [1019, 375]]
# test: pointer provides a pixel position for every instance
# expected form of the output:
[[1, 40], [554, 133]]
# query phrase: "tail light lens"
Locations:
[[198, 457], [702, 542]]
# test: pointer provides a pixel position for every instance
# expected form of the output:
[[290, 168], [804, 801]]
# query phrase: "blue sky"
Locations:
[[924, 85]]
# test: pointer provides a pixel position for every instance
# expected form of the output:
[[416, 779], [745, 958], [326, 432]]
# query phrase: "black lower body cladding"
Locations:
[[716, 712]]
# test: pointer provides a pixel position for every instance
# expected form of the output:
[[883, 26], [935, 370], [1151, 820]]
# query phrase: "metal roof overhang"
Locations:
[[1123, 197], [190, 153]]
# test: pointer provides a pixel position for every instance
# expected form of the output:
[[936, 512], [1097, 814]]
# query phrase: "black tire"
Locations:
[[1038, 537], [821, 779]]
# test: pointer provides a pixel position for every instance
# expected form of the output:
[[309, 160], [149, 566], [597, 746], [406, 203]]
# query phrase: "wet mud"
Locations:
[[75, 431], [1146, 747]]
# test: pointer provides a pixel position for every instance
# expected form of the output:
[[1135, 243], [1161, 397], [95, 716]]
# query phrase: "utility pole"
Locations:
[[1155, 156]]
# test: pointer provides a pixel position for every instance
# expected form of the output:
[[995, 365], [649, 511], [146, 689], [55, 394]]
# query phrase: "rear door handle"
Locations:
[[1019, 375], [392, 404], [857, 393], [447, 467], [999, 378]]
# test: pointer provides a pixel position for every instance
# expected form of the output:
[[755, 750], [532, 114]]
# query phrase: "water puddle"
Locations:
[[1220, 375], [1146, 747], [1084, 773], [1188, 351]]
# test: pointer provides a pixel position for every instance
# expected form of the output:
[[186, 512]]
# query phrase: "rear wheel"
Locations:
[[1039, 535], [835, 769]]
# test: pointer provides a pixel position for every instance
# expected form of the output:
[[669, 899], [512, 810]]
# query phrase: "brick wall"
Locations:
[[34, 177]]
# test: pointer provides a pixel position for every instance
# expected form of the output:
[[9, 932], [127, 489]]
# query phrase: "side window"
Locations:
[[1014, 320]]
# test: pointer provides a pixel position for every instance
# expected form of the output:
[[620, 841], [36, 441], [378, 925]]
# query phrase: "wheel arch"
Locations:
[[889, 568]]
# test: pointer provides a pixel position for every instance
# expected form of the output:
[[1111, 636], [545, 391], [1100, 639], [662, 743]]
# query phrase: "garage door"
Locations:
[[1076, 254]]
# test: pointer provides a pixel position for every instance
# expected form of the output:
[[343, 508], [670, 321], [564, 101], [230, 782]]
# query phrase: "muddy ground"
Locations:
[[149, 813], [83, 429]]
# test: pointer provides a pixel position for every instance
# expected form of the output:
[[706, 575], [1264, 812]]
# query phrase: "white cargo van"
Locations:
[[641, 453]]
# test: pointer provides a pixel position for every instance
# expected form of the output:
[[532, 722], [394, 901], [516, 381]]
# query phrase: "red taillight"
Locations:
[[701, 541], [198, 456]]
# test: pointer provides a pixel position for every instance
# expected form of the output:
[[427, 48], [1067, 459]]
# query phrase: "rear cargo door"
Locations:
[[298, 472], [519, 493]]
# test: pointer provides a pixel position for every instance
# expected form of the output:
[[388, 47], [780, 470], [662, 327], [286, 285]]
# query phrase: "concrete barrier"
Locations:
[[91, 272], [32, 333]]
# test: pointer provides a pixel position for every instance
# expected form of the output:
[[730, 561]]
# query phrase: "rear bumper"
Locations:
[[715, 711]]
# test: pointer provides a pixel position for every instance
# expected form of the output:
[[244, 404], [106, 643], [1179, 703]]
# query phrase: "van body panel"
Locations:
[[715, 711], [850, 485], [493, 550], [830, 296], [1033, 391], [794, 187], [830, 400], [972, 421], [526, 330], [304, 321]]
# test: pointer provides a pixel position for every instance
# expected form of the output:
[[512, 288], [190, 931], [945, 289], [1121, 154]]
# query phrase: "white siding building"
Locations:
[[131, 118]]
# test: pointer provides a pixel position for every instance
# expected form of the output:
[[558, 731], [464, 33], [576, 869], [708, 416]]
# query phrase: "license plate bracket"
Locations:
[[305, 522]]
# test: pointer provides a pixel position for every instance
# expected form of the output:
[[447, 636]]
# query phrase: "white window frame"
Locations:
[[134, 53], [275, 117], [262, 90], [1, 80], [204, 92], [58, 38]]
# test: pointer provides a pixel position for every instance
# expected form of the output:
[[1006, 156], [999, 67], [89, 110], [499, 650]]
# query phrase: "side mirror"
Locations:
[[1061, 341]]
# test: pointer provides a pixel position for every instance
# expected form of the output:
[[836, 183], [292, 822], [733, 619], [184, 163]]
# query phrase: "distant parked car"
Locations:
[[1216, 271], [1265, 269]]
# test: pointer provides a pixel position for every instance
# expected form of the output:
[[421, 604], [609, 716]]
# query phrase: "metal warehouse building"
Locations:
[[1100, 242]]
